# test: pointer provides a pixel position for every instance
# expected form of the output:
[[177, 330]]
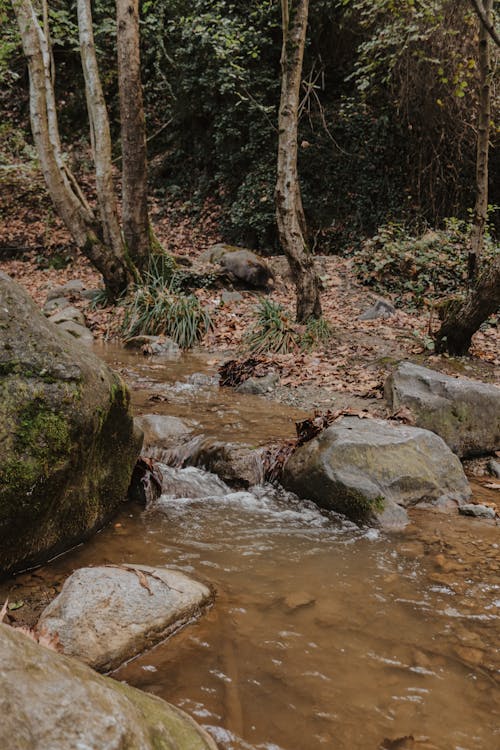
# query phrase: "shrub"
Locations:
[[417, 269], [318, 333], [273, 330], [154, 307]]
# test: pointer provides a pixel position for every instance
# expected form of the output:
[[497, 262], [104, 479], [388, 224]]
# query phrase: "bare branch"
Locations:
[[488, 25]]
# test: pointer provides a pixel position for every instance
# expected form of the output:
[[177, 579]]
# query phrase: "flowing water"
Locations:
[[322, 634]]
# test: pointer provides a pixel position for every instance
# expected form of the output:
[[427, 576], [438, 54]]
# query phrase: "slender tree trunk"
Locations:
[[135, 217], [483, 139], [73, 211], [462, 319], [289, 211], [99, 133]]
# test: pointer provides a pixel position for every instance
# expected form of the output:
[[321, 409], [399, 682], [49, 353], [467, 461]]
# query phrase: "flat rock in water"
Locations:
[[372, 469], [464, 413], [478, 511], [162, 430], [107, 614], [155, 345], [51, 702], [259, 386]]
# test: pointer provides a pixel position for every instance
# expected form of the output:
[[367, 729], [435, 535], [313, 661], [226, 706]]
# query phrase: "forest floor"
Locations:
[[353, 364]]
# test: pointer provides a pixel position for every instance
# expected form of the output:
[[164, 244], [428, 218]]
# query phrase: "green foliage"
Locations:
[[273, 331], [154, 307], [317, 335], [418, 269]]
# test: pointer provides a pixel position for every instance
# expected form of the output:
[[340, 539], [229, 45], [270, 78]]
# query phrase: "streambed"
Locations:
[[322, 634]]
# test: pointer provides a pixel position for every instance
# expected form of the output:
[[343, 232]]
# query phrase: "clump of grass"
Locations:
[[153, 308], [318, 333], [273, 330]]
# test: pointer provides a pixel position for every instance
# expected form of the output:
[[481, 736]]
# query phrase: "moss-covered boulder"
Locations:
[[372, 470], [67, 441], [52, 702], [465, 413]]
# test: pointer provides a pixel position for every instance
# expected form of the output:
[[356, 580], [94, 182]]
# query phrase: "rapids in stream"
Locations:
[[323, 634]]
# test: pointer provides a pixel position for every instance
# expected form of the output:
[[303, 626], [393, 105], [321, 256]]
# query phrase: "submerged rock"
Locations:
[[67, 442], [374, 469], [464, 413], [51, 702], [107, 614]]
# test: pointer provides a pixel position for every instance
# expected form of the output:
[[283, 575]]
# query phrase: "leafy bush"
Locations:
[[417, 269], [273, 330], [154, 307]]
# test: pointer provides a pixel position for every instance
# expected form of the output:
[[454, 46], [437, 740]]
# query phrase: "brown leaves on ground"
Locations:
[[42, 636]]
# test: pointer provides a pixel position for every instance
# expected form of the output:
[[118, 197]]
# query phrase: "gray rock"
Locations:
[[162, 431], [55, 304], [478, 511], [381, 309], [68, 313], [91, 294], [72, 288], [371, 469], [227, 297], [464, 413], [107, 614], [67, 443], [494, 468], [78, 332], [247, 267], [51, 702], [156, 345], [259, 386]]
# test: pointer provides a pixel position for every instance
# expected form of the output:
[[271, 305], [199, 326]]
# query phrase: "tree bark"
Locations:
[[74, 213], [487, 22], [99, 133], [135, 219], [483, 138], [289, 210], [462, 319]]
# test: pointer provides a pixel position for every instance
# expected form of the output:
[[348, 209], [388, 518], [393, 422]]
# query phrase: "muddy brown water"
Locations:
[[323, 635]]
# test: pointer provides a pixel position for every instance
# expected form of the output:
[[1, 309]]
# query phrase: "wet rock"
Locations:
[[72, 288], [371, 469], [78, 332], [381, 309], [478, 511], [464, 413], [236, 464], [107, 614], [162, 431], [299, 600], [156, 345], [68, 313], [59, 303], [51, 702], [494, 468], [67, 444], [259, 386]]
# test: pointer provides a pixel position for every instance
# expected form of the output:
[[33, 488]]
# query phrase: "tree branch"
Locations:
[[488, 25]]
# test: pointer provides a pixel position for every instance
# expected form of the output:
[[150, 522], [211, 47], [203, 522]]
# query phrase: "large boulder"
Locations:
[[52, 702], [371, 469], [465, 413], [108, 614], [67, 442]]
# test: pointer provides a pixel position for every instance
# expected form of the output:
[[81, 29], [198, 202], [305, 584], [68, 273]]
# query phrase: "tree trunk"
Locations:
[[462, 319], [99, 133], [74, 213], [135, 217], [483, 138], [289, 211]]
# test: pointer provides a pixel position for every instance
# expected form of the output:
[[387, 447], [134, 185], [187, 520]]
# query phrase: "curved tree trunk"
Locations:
[[99, 133], [73, 211], [135, 216], [289, 211], [462, 319], [483, 139]]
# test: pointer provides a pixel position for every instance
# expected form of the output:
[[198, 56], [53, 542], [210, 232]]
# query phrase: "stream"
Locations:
[[322, 634]]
